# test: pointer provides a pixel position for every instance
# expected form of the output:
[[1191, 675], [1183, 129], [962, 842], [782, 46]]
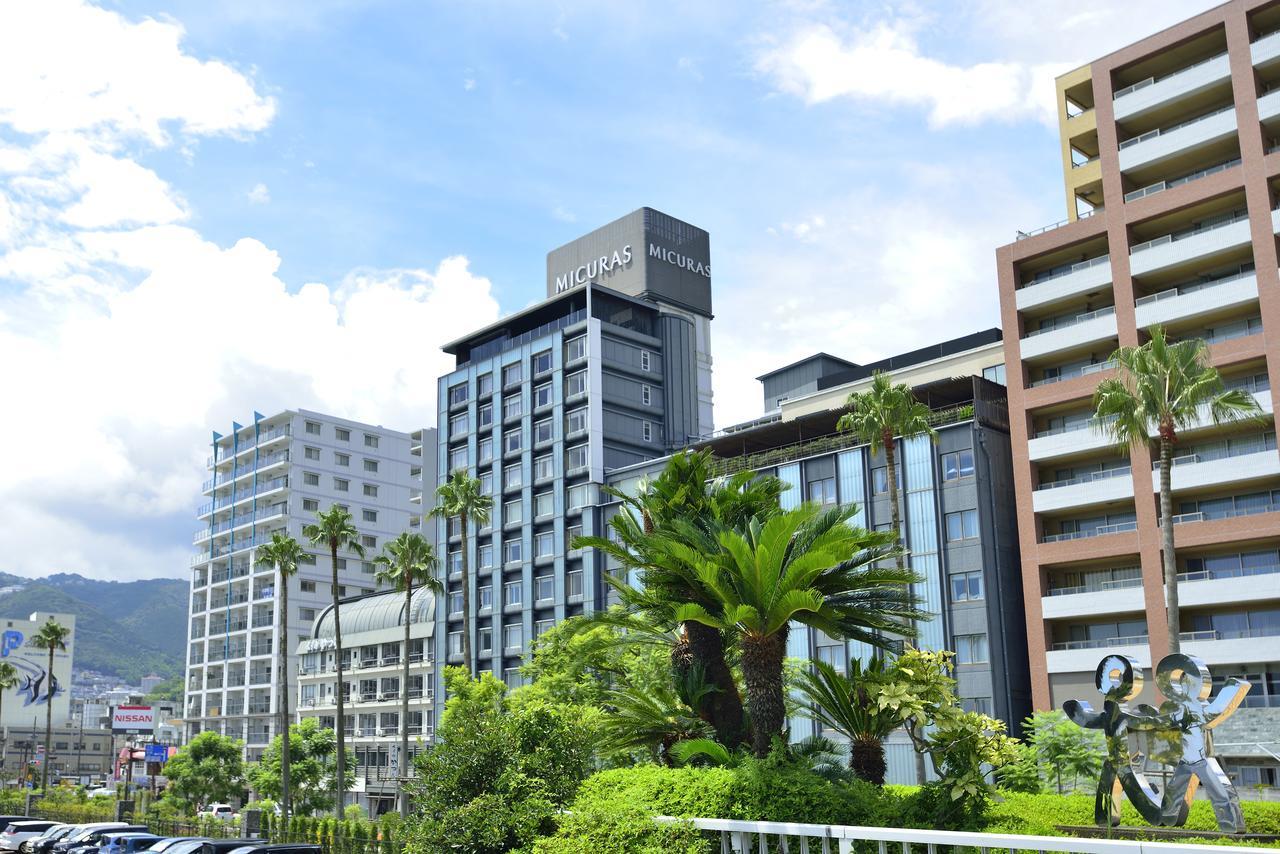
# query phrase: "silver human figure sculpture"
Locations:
[[1119, 679], [1184, 719]]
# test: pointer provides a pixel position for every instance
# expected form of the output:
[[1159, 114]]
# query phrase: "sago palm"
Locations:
[[53, 637], [649, 718], [335, 529], [407, 562], [806, 565], [878, 415], [460, 498], [1163, 387], [8, 679], [847, 704], [282, 553]]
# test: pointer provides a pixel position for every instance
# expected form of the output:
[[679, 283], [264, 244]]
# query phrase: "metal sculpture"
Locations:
[[1176, 737], [1119, 679]]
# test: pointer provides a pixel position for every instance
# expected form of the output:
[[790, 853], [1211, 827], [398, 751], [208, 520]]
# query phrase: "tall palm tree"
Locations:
[[847, 704], [1163, 387], [408, 561], [53, 637], [807, 565], [876, 416], [460, 498], [8, 679], [282, 553], [334, 528]]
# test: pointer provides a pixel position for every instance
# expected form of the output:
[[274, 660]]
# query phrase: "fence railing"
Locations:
[[747, 837]]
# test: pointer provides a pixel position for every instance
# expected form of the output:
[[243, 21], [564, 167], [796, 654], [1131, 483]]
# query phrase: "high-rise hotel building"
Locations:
[[273, 475], [613, 368], [1171, 158]]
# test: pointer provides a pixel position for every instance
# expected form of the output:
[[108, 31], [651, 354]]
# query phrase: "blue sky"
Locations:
[[207, 208]]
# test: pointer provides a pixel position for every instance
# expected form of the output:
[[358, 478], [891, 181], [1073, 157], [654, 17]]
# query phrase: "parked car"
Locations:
[[20, 831], [127, 843], [188, 845], [225, 812], [102, 792], [83, 832], [278, 848], [89, 842], [44, 841], [225, 846], [167, 842]]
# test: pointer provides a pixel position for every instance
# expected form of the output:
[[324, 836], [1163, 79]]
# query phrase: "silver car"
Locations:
[[20, 831]]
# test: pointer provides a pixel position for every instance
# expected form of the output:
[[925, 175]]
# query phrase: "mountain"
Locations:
[[128, 628]]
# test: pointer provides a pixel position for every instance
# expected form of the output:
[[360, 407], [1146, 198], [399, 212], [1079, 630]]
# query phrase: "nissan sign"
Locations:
[[133, 720]]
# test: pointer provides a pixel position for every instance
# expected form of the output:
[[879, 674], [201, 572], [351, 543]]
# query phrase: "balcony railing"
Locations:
[[1099, 531], [1152, 134], [1023, 235], [1072, 321], [1049, 276], [1236, 572], [1093, 586], [1232, 513], [1161, 186], [1142, 84], [1183, 290], [1100, 643], [1191, 232], [1083, 370], [1233, 634], [1105, 474], [1098, 424]]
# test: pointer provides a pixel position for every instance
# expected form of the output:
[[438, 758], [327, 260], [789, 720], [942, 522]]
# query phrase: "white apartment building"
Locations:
[[372, 670], [274, 475]]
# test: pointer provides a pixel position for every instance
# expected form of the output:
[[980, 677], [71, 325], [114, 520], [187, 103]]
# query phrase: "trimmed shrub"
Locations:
[[1040, 815]]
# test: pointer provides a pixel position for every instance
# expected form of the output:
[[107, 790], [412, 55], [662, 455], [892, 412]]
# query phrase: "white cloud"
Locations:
[[128, 334], [259, 195]]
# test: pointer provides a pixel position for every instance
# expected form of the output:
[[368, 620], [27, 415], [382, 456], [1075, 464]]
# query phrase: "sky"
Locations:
[[208, 209]]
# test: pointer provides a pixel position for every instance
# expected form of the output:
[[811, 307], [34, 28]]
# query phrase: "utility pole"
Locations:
[[79, 745]]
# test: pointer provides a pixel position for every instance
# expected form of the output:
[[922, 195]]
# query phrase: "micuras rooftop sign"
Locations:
[[605, 264]]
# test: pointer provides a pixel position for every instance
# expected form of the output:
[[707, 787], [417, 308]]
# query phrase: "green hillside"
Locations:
[[128, 628]]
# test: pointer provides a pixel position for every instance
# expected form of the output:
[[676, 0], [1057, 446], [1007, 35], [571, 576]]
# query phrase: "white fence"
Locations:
[[773, 837]]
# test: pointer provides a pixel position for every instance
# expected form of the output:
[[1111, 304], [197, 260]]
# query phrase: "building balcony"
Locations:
[[1157, 146], [1269, 106], [1194, 471], [1073, 373], [1083, 656], [1266, 50], [1116, 600], [1080, 331], [1070, 441], [1232, 647], [1090, 533], [1101, 487], [1172, 250], [1082, 278], [1197, 300], [1201, 589], [1154, 92]]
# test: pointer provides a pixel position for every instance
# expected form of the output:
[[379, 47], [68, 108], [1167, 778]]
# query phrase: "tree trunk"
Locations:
[[762, 671], [723, 707], [1172, 611], [466, 598], [48, 732], [866, 759], [282, 619], [404, 696], [891, 470], [340, 779]]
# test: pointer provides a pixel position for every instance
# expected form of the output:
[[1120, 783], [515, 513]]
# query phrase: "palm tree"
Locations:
[[408, 560], [878, 415], [8, 679], [1163, 387], [807, 565], [53, 637], [650, 718], [282, 553], [334, 528], [847, 704], [460, 498]]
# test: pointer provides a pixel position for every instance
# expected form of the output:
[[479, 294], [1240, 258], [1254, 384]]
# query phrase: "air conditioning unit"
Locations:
[[378, 731], [381, 696], [359, 732]]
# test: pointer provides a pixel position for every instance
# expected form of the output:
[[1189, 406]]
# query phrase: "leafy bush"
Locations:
[[600, 828], [1039, 815]]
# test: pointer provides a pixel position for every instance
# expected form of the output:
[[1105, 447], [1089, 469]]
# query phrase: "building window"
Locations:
[[957, 465], [484, 639], [541, 627], [880, 480], [371, 466], [311, 453], [544, 587], [512, 374], [455, 643], [342, 459], [310, 505], [972, 649], [981, 705], [966, 587], [313, 428], [644, 360], [575, 458], [573, 583], [458, 458], [542, 396], [369, 515], [512, 593], [455, 602], [512, 551], [575, 348], [542, 431], [341, 485], [575, 422], [543, 505], [575, 384], [513, 476], [485, 594], [512, 406], [457, 394], [962, 525], [833, 655], [823, 491], [484, 385], [578, 496], [368, 567], [342, 564], [513, 636], [484, 451], [995, 373], [310, 478], [571, 533], [370, 440], [646, 394], [543, 467], [486, 556], [646, 431], [458, 424], [542, 362], [544, 544], [484, 415], [512, 512], [308, 586], [370, 490], [512, 441], [342, 434], [369, 542], [486, 483]]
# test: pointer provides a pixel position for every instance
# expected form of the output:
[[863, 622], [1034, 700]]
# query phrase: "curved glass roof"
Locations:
[[377, 611]]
